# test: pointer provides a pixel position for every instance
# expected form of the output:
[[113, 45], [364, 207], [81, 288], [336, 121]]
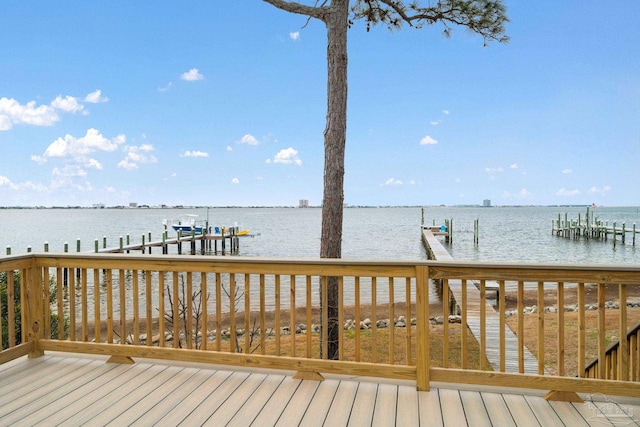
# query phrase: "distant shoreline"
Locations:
[[143, 207]]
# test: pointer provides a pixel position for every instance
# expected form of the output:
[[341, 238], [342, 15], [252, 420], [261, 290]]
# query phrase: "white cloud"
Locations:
[[493, 170], [287, 156], [192, 75], [95, 97], [94, 164], [249, 139], [137, 155], [165, 88], [567, 171], [563, 192], [391, 181], [434, 122], [194, 153], [229, 148], [295, 36], [514, 166], [39, 159], [445, 112], [427, 140], [69, 104], [6, 182], [12, 112], [235, 181], [597, 190], [70, 146]]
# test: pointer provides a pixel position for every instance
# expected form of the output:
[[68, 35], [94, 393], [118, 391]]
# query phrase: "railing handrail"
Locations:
[[445, 264]]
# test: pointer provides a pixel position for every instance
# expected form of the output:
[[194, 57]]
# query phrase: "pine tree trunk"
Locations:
[[334, 148]]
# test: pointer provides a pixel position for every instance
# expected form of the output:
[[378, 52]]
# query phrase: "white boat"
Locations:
[[188, 223]]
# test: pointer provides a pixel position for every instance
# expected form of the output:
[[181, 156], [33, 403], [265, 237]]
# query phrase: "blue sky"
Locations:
[[224, 103]]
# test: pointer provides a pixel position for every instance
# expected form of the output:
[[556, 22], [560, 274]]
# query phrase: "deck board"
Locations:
[[297, 406], [497, 410], [92, 392], [340, 409], [430, 412], [363, 405], [385, 411], [474, 408], [318, 408], [191, 400]]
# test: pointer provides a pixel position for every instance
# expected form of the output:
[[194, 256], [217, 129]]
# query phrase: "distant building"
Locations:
[[98, 206], [133, 205], [303, 203], [486, 203]]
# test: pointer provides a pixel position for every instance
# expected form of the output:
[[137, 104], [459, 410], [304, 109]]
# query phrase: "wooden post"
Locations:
[[8, 250], [29, 248], [34, 313], [624, 232], [422, 328], [46, 246], [634, 234], [96, 245], [104, 242], [143, 249], [121, 244]]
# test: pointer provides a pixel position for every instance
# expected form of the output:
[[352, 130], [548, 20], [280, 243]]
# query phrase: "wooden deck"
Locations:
[[72, 390]]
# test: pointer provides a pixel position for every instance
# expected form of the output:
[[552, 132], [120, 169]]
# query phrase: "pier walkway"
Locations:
[[492, 318]]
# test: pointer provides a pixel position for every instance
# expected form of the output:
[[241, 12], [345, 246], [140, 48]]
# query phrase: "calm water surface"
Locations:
[[519, 234]]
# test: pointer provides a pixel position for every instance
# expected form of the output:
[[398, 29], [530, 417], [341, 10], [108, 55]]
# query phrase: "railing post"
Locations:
[[422, 328], [34, 313]]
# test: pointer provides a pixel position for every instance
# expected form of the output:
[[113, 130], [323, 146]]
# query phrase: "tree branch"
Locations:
[[301, 9]]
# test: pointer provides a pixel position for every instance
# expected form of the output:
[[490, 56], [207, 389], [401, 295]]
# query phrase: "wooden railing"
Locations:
[[267, 313], [613, 355]]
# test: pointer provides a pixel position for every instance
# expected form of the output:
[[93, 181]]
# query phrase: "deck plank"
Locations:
[[257, 401], [213, 400], [110, 404], [149, 401], [544, 412], [295, 410], [363, 405], [340, 408], [452, 409], [521, 411], [430, 412], [276, 404], [567, 413], [234, 403], [82, 387], [474, 408], [319, 406], [179, 412], [407, 412], [38, 392], [386, 406], [497, 409]]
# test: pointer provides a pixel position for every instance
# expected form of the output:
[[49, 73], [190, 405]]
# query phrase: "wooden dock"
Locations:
[[589, 227], [492, 318]]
